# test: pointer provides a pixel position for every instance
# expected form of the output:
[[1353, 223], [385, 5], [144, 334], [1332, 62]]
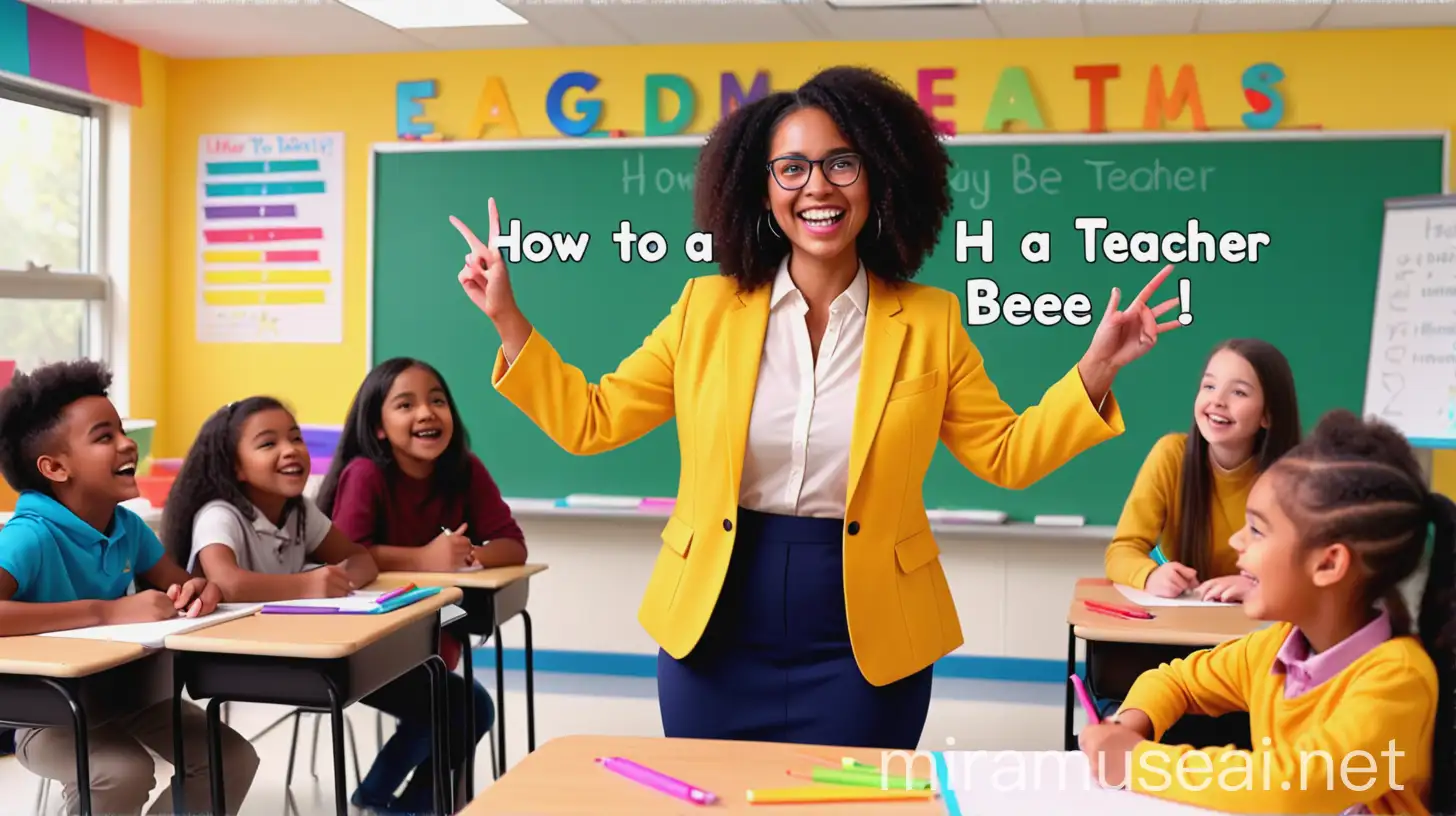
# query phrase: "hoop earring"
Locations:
[[758, 227]]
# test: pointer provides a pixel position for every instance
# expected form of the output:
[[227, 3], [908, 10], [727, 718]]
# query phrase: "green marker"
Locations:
[[861, 778]]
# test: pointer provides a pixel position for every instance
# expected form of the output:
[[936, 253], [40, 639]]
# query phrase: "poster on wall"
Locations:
[[270, 238]]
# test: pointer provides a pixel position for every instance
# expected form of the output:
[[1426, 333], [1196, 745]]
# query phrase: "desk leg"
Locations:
[[500, 694], [1069, 738], [179, 762], [83, 744], [468, 662], [214, 755], [439, 733], [530, 685], [336, 721]]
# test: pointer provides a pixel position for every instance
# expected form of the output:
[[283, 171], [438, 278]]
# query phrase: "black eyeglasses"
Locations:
[[792, 173]]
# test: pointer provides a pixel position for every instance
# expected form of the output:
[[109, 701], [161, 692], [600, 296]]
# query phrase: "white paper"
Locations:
[[603, 502], [1145, 598], [1034, 782], [357, 601], [152, 635], [270, 238]]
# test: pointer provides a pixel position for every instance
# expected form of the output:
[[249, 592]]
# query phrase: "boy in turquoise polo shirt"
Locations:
[[68, 558]]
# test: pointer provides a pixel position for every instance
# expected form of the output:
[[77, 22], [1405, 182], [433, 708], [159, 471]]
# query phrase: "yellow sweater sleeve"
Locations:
[[1211, 682], [1378, 739], [1146, 514], [586, 418], [991, 440]]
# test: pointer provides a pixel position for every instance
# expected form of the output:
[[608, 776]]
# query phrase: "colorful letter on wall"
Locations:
[[929, 100], [687, 102], [589, 110], [1096, 77], [732, 93], [1163, 107], [1013, 101], [1266, 101], [493, 108], [407, 108]]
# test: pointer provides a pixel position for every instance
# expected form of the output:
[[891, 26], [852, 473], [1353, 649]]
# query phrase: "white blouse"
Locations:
[[797, 458]]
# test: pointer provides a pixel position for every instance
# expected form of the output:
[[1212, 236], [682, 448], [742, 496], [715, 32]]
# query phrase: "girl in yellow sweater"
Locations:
[[1192, 487], [1350, 712]]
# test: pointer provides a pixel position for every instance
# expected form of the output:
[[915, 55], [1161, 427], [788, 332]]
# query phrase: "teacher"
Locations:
[[798, 595]]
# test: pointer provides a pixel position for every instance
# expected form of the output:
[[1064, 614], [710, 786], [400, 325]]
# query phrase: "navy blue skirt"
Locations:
[[775, 662]]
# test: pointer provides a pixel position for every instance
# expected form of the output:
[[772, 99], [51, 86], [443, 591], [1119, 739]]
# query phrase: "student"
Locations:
[[404, 482], [1191, 488], [253, 531], [67, 560], [237, 514], [1352, 711]]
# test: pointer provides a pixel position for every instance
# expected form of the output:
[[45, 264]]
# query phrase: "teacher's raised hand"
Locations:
[[488, 285], [1123, 336]]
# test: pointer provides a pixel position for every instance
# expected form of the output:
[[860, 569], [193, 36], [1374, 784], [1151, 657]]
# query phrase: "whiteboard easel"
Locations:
[[1411, 379]]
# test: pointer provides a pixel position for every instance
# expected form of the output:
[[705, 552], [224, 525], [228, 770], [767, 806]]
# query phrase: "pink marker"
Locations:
[[657, 781], [1086, 701]]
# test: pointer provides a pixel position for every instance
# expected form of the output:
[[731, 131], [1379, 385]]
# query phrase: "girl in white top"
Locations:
[[238, 516]]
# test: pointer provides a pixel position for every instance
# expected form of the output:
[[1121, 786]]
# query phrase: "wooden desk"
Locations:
[[1188, 627], [562, 777], [68, 682], [322, 662], [492, 597]]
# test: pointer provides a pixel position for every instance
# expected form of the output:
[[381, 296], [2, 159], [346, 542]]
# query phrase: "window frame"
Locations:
[[95, 283]]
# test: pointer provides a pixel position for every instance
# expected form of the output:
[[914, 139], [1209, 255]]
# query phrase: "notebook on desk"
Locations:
[[356, 603], [153, 635]]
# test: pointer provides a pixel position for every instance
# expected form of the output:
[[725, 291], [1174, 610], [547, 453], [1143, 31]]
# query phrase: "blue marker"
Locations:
[[1158, 556]]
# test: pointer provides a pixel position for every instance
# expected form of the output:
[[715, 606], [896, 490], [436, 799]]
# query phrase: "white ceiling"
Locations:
[[255, 28]]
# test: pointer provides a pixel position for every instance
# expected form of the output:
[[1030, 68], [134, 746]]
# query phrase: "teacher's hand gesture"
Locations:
[[484, 276], [1124, 336], [486, 282]]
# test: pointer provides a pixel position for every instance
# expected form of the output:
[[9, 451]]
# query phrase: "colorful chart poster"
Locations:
[[270, 238]]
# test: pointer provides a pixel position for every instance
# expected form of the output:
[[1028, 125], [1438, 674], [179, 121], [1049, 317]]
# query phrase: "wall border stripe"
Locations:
[[621, 664]]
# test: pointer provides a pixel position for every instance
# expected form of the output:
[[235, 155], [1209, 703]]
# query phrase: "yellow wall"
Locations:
[[148, 283], [1343, 80]]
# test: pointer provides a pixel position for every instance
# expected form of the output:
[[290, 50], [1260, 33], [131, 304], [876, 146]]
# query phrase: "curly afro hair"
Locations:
[[31, 408], [905, 164]]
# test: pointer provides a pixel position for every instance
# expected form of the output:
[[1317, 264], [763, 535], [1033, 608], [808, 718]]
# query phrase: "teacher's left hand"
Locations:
[[1124, 336]]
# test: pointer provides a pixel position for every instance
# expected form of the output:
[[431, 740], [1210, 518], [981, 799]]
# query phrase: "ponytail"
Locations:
[[1437, 631]]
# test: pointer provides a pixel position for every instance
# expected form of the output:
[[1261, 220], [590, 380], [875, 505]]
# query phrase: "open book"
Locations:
[[152, 635], [1142, 597]]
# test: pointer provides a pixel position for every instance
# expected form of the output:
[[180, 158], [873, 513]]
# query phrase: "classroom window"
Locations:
[[53, 295]]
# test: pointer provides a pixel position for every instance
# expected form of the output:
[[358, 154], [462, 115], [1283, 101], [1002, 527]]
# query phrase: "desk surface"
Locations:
[[562, 777], [36, 656], [494, 578], [1171, 625], [318, 637]]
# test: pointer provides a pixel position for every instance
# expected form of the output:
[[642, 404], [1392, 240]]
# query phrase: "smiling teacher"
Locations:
[[798, 595]]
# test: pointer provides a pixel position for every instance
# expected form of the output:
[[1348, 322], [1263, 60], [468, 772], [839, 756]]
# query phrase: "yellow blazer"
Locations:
[[921, 381]]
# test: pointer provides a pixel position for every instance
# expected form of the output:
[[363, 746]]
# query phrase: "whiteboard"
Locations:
[[1411, 380]]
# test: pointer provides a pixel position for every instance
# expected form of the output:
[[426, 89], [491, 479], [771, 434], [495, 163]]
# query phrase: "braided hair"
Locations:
[[1357, 483]]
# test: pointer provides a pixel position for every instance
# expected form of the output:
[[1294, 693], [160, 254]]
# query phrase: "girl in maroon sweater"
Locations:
[[404, 483]]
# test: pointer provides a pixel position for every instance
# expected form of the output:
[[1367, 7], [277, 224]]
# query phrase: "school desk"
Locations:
[[491, 597], [1115, 640], [322, 662], [564, 778], [80, 684]]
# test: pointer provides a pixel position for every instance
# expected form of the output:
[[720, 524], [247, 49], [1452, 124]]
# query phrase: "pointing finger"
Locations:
[[494, 224], [1153, 285], [1111, 303], [476, 247], [461, 529]]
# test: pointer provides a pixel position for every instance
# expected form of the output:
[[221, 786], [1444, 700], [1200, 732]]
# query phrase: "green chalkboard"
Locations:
[[1317, 196]]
